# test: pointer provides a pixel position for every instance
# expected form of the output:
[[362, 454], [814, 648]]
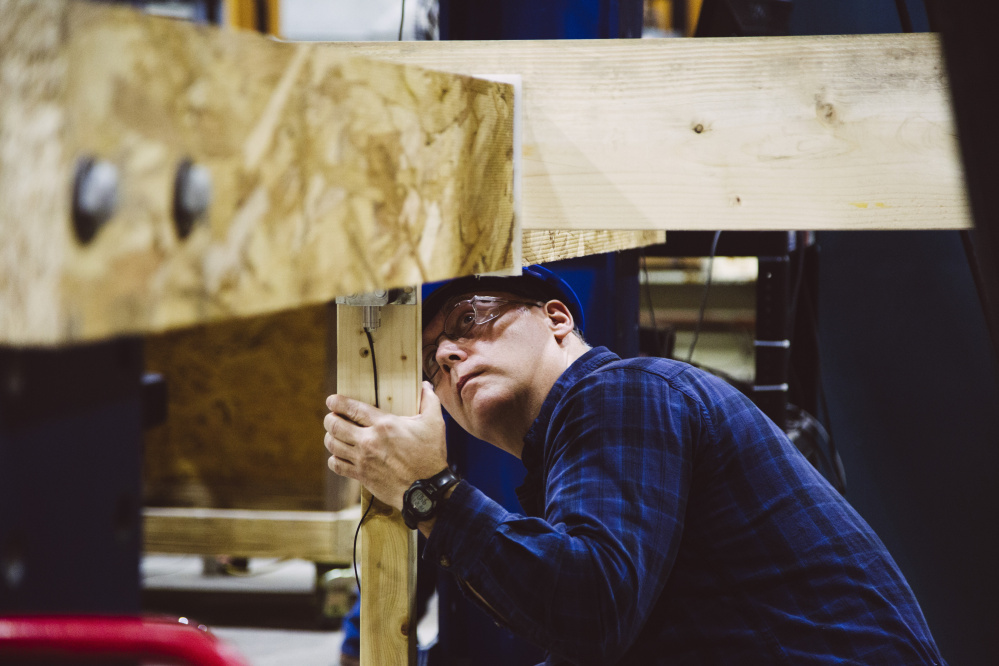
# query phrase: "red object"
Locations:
[[97, 636]]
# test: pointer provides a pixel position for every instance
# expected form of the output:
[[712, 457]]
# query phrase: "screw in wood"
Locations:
[[192, 195], [95, 196]]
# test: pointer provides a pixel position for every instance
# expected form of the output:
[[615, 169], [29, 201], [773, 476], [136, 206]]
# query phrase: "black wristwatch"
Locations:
[[423, 499]]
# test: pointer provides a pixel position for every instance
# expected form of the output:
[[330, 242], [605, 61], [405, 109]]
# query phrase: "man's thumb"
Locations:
[[429, 402]]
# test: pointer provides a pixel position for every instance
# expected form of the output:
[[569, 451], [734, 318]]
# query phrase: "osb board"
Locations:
[[331, 174], [245, 412], [841, 132]]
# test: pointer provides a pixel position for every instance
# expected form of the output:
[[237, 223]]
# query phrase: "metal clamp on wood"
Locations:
[[373, 300]]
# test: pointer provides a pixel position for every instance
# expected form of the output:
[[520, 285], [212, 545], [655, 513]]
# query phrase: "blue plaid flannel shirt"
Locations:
[[669, 521]]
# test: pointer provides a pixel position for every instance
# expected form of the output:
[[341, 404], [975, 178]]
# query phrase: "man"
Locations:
[[667, 520]]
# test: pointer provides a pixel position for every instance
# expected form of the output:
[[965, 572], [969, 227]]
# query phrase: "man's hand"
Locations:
[[386, 453]]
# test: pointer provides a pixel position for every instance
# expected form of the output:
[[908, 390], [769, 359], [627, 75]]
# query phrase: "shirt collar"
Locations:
[[534, 440]]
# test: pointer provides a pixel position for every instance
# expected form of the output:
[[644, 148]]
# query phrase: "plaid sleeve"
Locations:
[[582, 582]]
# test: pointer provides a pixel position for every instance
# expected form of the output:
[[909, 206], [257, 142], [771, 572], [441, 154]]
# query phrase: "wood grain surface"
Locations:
[[331, 174], [388, 547], [841, 132], [317, 536]]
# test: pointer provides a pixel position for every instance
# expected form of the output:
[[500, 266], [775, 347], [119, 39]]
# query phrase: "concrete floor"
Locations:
[[270, 614]]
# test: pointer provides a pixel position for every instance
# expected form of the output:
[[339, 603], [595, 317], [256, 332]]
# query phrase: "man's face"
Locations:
[[489, 380]]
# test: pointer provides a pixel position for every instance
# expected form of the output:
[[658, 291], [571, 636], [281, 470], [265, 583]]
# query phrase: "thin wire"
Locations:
[[903, 15], [374, 365], [357, 532], [648, 298], [402, 18], [704, 297], [357, 578]]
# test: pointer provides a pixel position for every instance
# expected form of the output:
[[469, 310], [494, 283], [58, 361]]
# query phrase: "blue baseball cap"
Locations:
[[535, 282]]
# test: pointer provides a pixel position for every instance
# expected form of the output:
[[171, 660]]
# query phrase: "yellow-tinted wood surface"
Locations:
[[318, 536], [542, 246], [388, 547], [331, 174], [244, 414], [842, 132]]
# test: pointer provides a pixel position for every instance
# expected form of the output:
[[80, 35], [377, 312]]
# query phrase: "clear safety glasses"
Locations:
[[459, 321]]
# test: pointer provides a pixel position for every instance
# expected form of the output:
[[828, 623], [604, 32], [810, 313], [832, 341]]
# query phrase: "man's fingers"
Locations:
[[342, 467], [337, 447], [356, 411], [342, 429]]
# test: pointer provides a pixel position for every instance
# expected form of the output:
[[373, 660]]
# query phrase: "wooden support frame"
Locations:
[[388, 547], [318, 536], [838, 132]]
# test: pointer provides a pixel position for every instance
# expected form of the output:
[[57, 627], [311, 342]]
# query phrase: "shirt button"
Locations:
[[445, 561]]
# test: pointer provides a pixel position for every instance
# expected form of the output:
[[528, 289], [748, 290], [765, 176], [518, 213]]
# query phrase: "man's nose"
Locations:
[[449, 352]]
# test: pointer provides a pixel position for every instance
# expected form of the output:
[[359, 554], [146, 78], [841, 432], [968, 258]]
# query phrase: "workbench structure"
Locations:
[[323, 170]]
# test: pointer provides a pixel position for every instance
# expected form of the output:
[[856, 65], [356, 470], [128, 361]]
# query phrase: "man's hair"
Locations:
[[536, 283]]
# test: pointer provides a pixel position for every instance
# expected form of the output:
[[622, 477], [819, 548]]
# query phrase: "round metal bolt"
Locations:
[[192, 195], [95, 196]]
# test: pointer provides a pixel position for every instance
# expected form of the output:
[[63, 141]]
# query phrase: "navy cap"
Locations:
[[535, 282]]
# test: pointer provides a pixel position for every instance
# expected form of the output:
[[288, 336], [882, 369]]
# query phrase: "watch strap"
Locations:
[[434, 488]]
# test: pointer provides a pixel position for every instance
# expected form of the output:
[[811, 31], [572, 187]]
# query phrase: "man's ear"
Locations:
[[559, 318]]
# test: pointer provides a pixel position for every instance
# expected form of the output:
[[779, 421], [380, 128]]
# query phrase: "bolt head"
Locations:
[[95, 196], [192, 195]]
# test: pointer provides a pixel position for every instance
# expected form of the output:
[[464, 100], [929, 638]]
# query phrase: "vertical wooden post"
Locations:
[[387, 557]]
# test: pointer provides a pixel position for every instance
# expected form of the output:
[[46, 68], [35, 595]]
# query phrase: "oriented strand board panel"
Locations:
[[842, 132], [331, 174], [245, 405]]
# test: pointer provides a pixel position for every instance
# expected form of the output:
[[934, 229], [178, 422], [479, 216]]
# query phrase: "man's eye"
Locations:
[[467, 318]]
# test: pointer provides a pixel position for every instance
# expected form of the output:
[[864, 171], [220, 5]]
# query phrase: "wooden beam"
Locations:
[[388, 547], [843, 132], [331, 174], [540, 246], [318, 536]]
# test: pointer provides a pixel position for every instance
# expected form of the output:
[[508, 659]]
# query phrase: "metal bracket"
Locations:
[[404, 296]]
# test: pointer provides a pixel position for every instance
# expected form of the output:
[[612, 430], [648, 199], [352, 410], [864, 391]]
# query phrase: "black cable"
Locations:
[[704, 297], [374, 365], [357, 579], [648, 298], [903, 15], [823, 401], [357, 532], [792, 319], [402, 18]]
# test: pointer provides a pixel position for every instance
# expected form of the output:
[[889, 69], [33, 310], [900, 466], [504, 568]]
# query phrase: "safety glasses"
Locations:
[[460, 319]]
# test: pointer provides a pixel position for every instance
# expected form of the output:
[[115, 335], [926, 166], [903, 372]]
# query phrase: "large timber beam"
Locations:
[[330, 174], [843, 132]]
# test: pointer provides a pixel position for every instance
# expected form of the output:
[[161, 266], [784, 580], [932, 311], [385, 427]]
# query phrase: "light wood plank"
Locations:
[[388, 547], [318, 536], [842, 132], [331, 174], [540, 246]]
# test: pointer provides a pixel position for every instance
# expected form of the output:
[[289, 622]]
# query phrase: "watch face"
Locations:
[[420, 502]]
